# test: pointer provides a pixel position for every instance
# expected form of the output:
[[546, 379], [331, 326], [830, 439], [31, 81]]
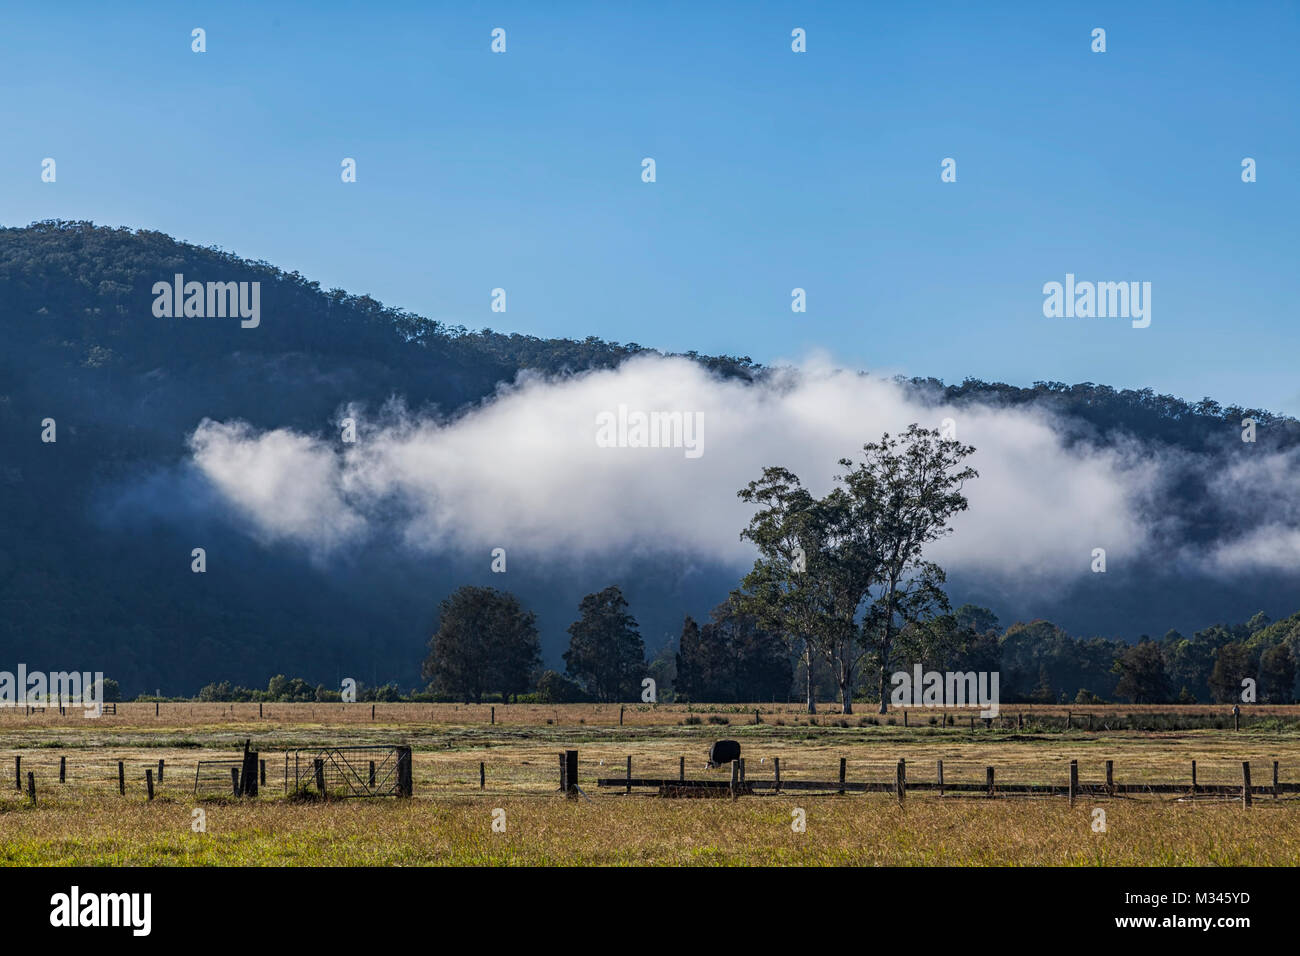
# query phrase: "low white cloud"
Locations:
[[524, 471], [1260, 492]]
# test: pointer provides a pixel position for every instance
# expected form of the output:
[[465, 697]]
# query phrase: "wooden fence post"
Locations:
[[1020, 720], [18, 773], [63, 769], [571, 772], [1236, 717], [405, 773], [494, 716], [629, 773], [121, 778], [319, 766], [843, 765], [900, 780], [742, 771], [1274, 779], [735, 777], [148, 781], [482, 775], [941, 778], [1245, 783], [904, 718], [155, 708], [248, 774], [1110, 777], [261, 771], [1193, 776], [620, 715], [1069, 720], [1074, 780], [31, 786], [161, 764], [988, 773], [234, 780], [776, 769], [681, 769]]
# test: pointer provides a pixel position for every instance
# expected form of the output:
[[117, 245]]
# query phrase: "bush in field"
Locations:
[[554, 688]]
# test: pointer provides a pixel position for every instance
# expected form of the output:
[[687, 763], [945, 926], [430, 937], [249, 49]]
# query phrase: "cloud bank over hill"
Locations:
[[524, 471]]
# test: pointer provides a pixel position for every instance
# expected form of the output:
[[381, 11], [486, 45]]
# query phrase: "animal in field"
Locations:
[[722, 753]]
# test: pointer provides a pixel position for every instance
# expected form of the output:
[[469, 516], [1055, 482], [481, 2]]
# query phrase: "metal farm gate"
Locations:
[[214, 777], [349, 771]]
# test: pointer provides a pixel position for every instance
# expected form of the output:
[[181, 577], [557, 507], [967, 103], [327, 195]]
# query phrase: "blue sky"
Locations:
[[775, 170]]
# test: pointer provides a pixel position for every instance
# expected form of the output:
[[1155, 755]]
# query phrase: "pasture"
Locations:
[[450, 820]]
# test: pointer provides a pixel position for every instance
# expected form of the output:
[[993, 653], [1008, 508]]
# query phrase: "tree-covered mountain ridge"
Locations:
[[83, 289]]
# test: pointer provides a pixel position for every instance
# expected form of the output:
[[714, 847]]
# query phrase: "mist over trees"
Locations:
[[84, 581]]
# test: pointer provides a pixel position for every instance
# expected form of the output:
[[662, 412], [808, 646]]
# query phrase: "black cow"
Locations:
[[723, 752]]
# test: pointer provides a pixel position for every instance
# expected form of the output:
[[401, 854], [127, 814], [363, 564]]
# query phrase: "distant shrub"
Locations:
[[691, 720], [715, 719], [554, 688]]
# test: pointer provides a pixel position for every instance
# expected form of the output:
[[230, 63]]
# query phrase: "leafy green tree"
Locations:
[[663, 670], [698, 663], [1232, 664], [788, 591], [1277, 674], [904, 493], [606, 654], [486, 641], [1143, 678], [732, 658]]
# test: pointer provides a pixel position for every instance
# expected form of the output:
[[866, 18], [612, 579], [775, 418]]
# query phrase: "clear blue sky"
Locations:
[[775, 170]]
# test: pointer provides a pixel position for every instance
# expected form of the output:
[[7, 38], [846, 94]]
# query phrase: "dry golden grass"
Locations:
[[644, 830], [180, 716]]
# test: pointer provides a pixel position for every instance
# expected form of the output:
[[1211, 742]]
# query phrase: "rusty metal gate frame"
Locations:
[[339, 765]]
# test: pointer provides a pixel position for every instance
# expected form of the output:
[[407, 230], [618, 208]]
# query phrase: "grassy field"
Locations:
[[450, 821]]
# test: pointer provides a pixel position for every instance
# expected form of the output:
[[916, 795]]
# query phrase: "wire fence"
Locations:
[[532, 770]]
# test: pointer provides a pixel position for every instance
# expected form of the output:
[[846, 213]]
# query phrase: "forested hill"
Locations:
[[82, 587]]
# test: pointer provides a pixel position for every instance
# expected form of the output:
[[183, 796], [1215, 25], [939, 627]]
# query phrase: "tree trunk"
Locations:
[[846, 695], [886, 639], [808, 674]]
